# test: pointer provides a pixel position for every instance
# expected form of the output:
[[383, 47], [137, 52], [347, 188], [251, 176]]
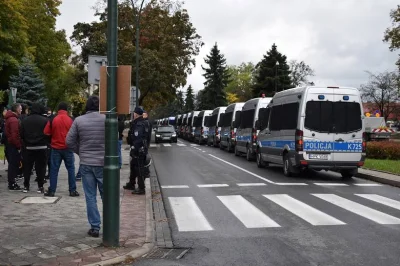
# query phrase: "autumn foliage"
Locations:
[[383, 150]]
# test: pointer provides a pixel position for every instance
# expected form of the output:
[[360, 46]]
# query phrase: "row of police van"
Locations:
[[319, 128]]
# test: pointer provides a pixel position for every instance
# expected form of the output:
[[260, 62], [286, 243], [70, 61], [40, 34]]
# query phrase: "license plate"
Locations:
[[166, 138], [318, 156]]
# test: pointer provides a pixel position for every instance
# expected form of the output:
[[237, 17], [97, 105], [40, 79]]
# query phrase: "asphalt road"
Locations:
[[229, 212]]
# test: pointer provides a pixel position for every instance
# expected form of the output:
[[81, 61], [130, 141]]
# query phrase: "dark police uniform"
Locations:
[[149, 128], [138, 142]]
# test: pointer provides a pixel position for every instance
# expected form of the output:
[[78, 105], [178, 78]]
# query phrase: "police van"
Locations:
[[190, 127], [200, 128], [183, 126], [246, 134], [227, 123], [178, 120], [214, 130], [319, 128]]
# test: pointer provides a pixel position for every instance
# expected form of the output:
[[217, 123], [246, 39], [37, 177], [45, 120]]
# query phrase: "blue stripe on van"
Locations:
[[330, 146], [244, 138]]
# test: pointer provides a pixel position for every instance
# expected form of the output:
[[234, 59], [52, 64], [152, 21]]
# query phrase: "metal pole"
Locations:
[[137, 55], [111, 169]]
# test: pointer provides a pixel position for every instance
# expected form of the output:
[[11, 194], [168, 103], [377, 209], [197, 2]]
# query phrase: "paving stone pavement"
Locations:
[[56, 234]]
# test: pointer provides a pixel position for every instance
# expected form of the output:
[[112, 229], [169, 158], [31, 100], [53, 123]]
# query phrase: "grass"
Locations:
[[391, 166]]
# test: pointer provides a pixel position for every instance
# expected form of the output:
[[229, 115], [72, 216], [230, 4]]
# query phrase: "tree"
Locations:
[[28, 83], [217, 78], [13, 39], [241, 81], [272, 74], [392, 35], [189, 101], [299, 72], [180, 101], [168, 46], [232, 98], [382, 90]]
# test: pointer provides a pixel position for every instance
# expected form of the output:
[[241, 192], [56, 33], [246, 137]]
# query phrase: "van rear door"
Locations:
[[347, 126], [317, 135]]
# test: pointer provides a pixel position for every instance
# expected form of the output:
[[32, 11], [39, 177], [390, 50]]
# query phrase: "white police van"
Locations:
[[200, 126], [190, 127], [227, 123], [319, 128], [246, 134], [183, 126], [214, 130]]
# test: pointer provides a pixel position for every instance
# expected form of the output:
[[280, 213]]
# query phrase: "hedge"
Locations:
[[383, 150]]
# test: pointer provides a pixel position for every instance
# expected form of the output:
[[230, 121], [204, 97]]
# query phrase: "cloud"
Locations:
[[339, 39]]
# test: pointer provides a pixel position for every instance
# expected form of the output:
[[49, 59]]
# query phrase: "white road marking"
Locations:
[[247, 213], [382, 200], [204, 151], [304, 211], [181, 144], [244, 170], [153, 145], [369, 213], [195, 145], [214, 185], [369, 185], [251, 184], [188, 215], [331, 184], [167, 145], [291, 184], [177, 186]]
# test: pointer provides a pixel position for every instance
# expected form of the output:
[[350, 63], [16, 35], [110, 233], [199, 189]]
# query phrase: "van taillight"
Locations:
[[299, 140], [254, 135], [364, 142]]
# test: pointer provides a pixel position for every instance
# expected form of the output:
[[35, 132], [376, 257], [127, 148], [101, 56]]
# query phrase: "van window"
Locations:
[[247, 118], [213, 120], [226, 119], [333, 117], [284, 117], [237, 118], [263, 117], [197, 121], [207, 121]]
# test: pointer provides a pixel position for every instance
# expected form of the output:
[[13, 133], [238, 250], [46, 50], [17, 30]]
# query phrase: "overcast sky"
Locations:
[[339, 39]]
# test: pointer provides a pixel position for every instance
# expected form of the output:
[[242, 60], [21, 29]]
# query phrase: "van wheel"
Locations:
[[347, 174], [249, 156], [221, 147], [229, 146], [260, 161], [287, 166], [237, 153]]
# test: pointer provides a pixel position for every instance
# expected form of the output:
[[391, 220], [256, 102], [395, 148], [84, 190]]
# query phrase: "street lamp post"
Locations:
[[276, 76]]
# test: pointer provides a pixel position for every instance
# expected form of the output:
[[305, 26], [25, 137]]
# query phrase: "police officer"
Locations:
[[138, 142], [149, 128]]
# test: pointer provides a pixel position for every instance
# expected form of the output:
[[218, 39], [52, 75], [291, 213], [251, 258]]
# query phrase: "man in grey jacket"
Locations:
[[86, 138]]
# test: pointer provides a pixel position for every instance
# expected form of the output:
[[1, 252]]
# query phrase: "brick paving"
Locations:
[[56, 234]]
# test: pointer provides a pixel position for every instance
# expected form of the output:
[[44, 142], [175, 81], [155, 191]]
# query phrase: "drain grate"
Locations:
[[167, 253]]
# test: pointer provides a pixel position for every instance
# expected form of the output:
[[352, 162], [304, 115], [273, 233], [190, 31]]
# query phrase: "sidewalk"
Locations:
[[56, 233], [380, 177]]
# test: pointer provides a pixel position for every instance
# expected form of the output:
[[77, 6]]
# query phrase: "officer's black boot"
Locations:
[[129, 186]]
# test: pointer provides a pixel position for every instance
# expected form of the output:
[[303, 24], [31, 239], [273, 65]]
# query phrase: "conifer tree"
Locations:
[[189, 102]]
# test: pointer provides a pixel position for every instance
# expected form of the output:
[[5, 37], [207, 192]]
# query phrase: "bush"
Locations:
[[383, 150]]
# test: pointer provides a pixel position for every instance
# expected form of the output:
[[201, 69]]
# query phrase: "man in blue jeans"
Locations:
[[86, 138], [57, 129]]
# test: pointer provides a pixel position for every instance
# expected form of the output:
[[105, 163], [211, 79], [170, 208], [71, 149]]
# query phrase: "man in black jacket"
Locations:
[[149, 129], [35, 146]]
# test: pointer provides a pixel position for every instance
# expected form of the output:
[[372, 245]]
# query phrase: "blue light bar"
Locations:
[[346, 98], [321, 97]]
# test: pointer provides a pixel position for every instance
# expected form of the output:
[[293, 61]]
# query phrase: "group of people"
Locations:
[[39, 137]]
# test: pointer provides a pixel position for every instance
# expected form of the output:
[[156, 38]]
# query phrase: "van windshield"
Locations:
[[333, 117]]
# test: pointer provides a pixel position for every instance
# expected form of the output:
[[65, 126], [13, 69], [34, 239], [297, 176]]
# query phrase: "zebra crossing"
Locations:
[[189, 217]]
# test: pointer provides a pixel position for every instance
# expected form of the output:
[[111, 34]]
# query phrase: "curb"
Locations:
[[148, 245], [379, 179]]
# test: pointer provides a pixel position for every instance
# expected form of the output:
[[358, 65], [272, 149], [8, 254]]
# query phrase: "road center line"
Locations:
[[214, 185], [244, 170], [331, 184], [177, 186], [291, 184], [369, 185], [251, 184]]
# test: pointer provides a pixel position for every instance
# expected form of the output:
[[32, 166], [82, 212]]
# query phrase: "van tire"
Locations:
[[287, 166], [347, 174], [237, 153], [260, 161], [249, 156], [221, 147], [229, 148]]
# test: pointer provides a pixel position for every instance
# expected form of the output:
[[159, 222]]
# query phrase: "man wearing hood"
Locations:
[[13, 145], [35, 143], [87, 138]]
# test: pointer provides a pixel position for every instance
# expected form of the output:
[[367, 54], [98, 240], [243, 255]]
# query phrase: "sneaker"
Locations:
[[129, 186], [49, 193], [139, 192], [14, 187], [25, 190], [74, 194], [93, 233], [40, 190]]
